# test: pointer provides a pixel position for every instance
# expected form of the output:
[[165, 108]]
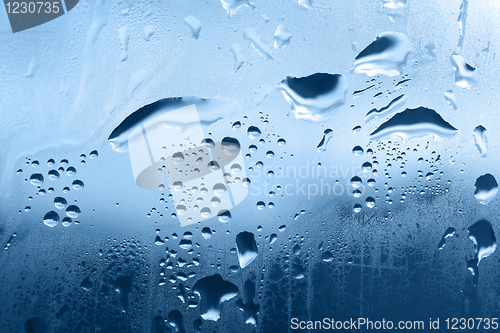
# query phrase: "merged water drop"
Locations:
[[213, 290], [482, 235]]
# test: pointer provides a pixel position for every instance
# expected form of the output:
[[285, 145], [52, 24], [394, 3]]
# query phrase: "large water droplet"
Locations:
[[386, 55], [315, 97], [36, 179], [60, 203], [213, 290], [78, 185], [246, 247], [219, 189], [253, 132], [73, 211], [230, 146], [54, 174], [486, 188], [51, 219], [415, 123]]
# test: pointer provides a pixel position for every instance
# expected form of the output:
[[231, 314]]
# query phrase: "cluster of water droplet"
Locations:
[[72, 211]]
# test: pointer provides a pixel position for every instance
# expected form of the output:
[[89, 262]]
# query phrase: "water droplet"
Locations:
[[357, 208], [213, 166], [450, 232], [261, 205], [73, 211], [480, 140], [78, 185], [224, 216], [36, 179], [394, 4], [206, 233], [386, 55], [415, 123], [71, 171], [370, 202], [234, 6], [357, 151], [51, 219], [281, 142], [246, 247], [93, 154], [66, 221], [178, 158], [213, 290], [236, 125], [327, 256], [194, 26], [219, 189], [316, 97], [486, 188], [327, 135], [465, 75], [230, 146], [60, 203], [54, 174], [253, 132], [281, 37], [205, 212]]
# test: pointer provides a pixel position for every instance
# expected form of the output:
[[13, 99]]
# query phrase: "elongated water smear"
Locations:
[[209, 111], [253, 38], [481, 141], [393, 106], [461, 22], [465, 74], [327, 135]]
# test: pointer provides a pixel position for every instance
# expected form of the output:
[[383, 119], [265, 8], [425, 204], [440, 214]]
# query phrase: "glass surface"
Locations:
[[347, 156]]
